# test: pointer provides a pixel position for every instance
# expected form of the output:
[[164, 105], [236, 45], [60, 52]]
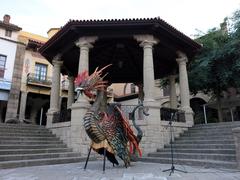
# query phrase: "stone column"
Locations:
[[23, 104], [173, 96], [55, 89], [70, 100], [79, 139], [236, 135], [148, 70], [84, 43], [152, 139], [184, 88]]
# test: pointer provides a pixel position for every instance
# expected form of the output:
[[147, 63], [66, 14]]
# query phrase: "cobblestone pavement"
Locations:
[[138, 171]]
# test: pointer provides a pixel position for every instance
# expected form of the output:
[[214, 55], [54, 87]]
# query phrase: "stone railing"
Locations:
[[128, 109], [65, 84], [62, 116]]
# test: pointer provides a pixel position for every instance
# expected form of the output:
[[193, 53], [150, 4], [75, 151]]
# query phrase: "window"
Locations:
[[3, 60], [40, 72], [8, 33]]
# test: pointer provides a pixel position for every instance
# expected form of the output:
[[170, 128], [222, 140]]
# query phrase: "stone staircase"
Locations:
[[31, 145], [210, 145]]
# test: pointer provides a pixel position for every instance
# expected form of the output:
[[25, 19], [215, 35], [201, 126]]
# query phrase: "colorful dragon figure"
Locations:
[[106, 126]]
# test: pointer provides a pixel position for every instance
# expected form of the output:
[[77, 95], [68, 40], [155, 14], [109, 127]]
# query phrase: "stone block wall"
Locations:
[[160, 134], [156, 133], [62, 131], [12, 106], [236, 135]]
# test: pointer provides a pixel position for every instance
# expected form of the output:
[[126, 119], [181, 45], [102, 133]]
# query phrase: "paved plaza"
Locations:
[[138, 171]]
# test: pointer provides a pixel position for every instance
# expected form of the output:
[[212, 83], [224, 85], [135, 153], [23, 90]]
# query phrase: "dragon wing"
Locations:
[[118, 133]]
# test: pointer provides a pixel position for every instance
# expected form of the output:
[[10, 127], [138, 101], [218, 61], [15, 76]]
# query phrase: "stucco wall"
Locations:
[[8, 49]]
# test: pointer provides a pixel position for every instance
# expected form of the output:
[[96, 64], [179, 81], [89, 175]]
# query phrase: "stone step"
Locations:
[[27, 135], [229, 130], [6, 125], [33, 151], [203, 151], [42, 146], [219, 157], [37, 156], [30, 131], [202, 146], [192, 162], [200, 134], [230, 137], [26, 142], [204, 141], [218, 125], [22, 138], [22, 128], [40, 162]]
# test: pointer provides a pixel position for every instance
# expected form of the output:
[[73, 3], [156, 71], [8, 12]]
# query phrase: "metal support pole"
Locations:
[[41, 114], [232, 114], [205, 114]]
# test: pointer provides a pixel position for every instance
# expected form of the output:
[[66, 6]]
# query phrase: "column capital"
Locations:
[[86, 42], [57, 57], [182, 57], [57, 62], [146, 40]]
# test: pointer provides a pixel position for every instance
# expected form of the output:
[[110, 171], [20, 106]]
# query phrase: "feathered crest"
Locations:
[[81, 77], [94, 81]]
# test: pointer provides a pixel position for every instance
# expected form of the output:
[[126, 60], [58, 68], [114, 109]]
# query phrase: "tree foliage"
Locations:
[[217, 66]]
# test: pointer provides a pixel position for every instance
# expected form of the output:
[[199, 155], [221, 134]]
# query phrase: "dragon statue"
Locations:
[[105, 125]]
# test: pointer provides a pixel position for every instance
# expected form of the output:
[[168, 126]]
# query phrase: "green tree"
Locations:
[[217, 66]]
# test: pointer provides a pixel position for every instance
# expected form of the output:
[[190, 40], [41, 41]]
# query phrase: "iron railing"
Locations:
[[176, 115], [32, 78], [65, 84], [62, 116], [128, 109]]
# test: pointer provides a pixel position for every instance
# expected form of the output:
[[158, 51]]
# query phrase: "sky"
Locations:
[[188, 16]]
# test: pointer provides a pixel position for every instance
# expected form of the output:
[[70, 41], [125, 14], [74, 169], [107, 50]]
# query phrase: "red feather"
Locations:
[[82, 76]]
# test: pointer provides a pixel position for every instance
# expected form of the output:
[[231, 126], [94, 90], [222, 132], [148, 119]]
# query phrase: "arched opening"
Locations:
[[197, 107]]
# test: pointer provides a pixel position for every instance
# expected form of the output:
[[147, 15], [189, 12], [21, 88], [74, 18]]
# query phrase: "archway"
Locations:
[[197, 106]]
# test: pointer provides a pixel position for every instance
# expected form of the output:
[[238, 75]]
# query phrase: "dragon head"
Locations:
[[87, 84]]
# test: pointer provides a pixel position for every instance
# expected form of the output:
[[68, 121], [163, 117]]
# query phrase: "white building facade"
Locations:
[[8, 46]]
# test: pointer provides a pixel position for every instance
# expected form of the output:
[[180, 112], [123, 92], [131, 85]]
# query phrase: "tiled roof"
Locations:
[[156, 21], [10, 26]]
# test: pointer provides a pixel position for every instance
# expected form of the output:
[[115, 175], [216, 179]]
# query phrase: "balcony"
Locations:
[[65, 84], [33, 79]]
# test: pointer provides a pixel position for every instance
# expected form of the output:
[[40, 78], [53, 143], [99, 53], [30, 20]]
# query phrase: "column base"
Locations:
[[79, 139], [49, 114], [49, 119], [188, 116], [152, 139]]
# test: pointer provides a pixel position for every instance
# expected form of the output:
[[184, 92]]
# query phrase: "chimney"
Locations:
[[6, 19], [52, 31]]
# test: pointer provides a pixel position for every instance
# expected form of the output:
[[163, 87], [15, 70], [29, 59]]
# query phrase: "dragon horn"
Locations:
[[104, 75], [96, 69], [104, 67]]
